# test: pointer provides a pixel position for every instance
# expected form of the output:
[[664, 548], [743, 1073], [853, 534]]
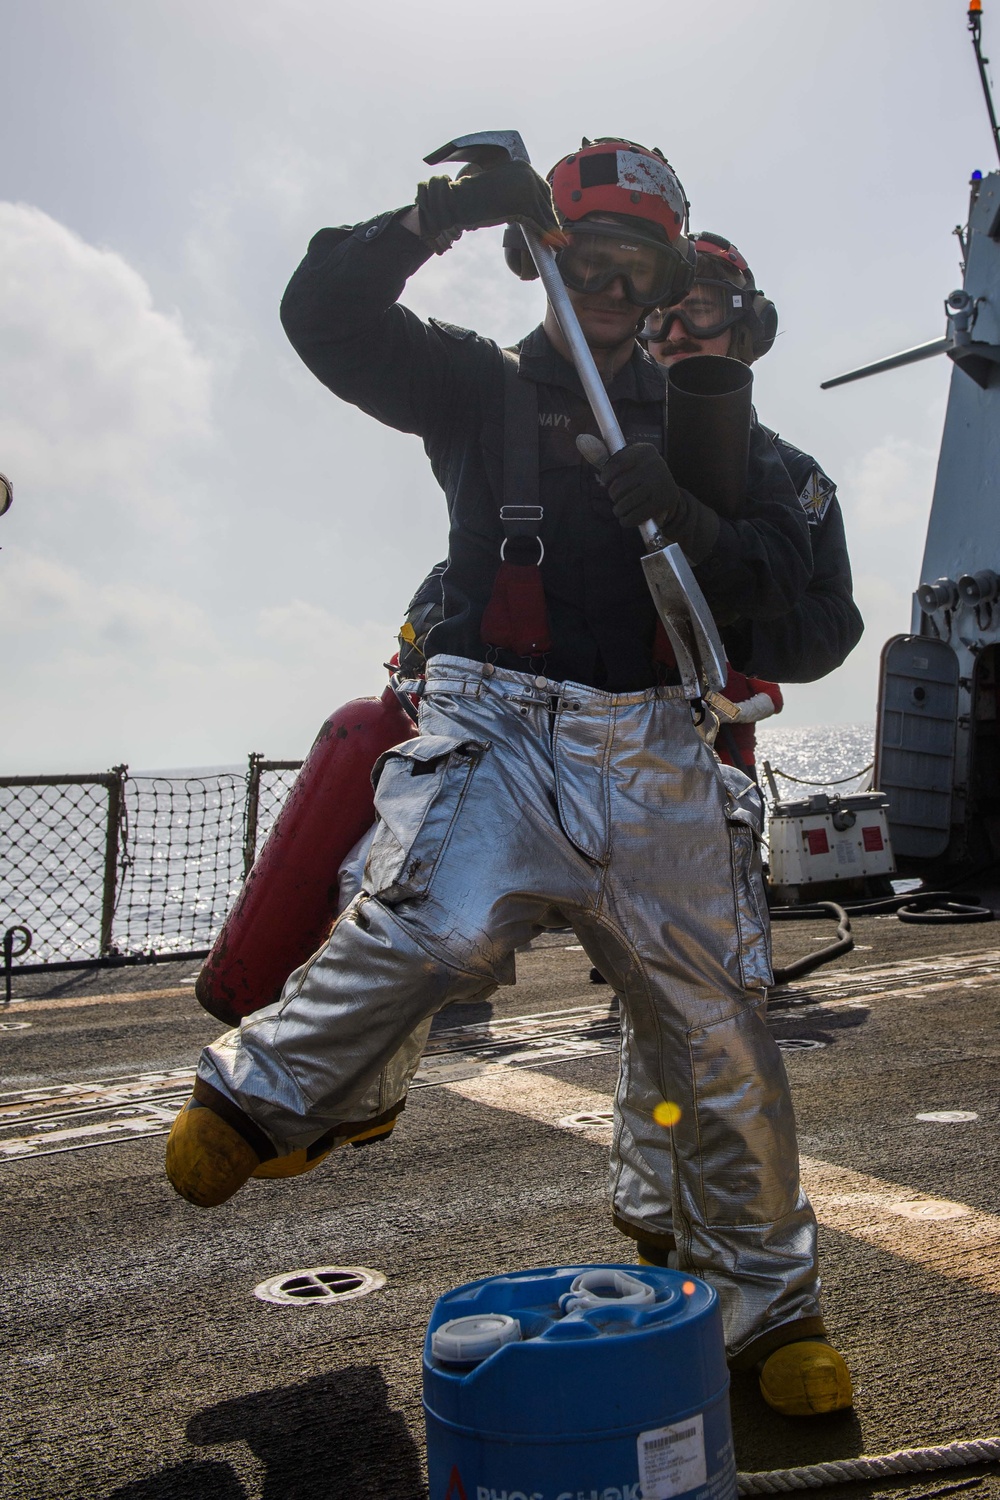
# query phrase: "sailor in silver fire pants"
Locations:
[[522, 805]]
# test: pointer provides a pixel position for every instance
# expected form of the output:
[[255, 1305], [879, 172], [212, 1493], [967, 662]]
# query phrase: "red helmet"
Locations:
[[612, 176], [759, 313], [730, 302], [715, 244]]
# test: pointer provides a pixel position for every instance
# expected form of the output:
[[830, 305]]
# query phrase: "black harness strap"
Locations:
[[520, 436], [516, 618]]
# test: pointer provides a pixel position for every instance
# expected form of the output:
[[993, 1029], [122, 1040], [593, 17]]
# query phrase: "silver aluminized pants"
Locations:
[[522, 805]]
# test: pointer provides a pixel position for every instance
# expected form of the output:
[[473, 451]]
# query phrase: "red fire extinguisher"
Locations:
[[288, 902]]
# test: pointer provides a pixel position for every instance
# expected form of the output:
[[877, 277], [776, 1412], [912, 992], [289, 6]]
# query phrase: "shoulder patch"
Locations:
[[452, 329], [816, 495]]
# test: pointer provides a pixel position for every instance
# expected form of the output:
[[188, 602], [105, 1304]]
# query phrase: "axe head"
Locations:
[[687, 619], [486, 148]]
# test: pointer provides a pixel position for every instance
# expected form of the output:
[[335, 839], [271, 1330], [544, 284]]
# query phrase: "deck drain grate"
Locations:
[[323, 1284], [588, 1119]]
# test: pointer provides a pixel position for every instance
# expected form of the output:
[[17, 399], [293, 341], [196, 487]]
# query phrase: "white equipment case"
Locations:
[[830, 841]]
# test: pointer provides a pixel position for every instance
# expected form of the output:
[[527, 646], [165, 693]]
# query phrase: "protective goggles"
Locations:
[[652, 272], [709, 308]]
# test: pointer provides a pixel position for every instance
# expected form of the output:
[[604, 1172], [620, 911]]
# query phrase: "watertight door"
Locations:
[[915, 742]]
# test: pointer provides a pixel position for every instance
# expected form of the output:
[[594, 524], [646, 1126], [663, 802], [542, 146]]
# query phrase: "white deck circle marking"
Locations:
[[923, 1208], [588, 1119], [948, 1116]]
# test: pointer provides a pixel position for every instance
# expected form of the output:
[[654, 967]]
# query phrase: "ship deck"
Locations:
[[138, 1365]]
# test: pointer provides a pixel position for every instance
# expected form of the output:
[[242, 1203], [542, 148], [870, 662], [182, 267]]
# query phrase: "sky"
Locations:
[[208, 553]]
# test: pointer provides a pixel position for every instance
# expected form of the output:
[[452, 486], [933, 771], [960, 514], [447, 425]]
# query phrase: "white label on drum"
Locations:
[[672, 1459]]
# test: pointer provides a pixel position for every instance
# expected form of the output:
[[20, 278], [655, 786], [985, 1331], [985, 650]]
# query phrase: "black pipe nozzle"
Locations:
[[709, 410]]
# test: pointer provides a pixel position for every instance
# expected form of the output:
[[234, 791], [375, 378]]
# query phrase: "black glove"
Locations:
[[510, 193], [642, 488]]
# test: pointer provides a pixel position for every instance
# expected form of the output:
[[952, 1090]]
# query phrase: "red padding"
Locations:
[[516, 618], [287, 904]]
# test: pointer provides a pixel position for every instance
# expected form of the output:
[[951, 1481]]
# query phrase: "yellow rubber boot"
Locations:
[[298, 1162], [207, 1160], [806, 1379], [292, 1165]]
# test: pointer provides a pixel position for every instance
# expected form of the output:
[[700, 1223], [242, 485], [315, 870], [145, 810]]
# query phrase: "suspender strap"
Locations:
[[516, 619], [520, 435]]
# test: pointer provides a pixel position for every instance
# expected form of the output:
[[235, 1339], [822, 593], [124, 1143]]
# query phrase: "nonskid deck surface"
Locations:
[[136, 1362], [101, 1112]]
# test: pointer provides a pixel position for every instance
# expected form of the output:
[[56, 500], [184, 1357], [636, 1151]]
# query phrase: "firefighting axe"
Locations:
[[680, 603]]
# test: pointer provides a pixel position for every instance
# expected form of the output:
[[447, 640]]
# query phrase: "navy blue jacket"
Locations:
[[823, 628], [341, 313]]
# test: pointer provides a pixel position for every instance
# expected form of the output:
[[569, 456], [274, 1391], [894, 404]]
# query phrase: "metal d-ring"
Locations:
[[541, 550]]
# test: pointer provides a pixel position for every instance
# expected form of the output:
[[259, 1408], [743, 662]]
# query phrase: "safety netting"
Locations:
[[118, 866]]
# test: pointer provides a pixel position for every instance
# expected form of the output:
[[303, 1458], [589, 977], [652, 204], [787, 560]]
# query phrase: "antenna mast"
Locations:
[[976, 30]]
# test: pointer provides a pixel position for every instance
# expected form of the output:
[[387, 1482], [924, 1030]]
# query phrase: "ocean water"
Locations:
[[821, 755], [179, 856]]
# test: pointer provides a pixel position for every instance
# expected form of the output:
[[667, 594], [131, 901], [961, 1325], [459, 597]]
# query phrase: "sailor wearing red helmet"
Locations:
[[726, 313], [558, 778]]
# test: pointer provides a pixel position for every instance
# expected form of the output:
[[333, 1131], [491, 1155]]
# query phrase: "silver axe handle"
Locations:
[[680, 603]]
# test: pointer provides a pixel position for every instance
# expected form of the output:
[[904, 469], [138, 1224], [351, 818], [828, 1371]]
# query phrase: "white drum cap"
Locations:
[[466, 1341]]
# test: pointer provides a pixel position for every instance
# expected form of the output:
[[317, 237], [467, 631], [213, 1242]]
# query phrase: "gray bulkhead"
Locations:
[[937, 752]]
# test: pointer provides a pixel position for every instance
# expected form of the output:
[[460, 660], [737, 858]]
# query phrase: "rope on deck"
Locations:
[[846, 1470]]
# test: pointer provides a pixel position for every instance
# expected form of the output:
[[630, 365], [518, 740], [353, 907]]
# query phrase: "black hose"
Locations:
[[929, 907], [943, 911], [844, 943], [406, 703]]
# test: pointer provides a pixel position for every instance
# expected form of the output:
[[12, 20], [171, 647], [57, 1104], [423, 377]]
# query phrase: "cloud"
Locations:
[[886, 506], [144, 620], [890, 486], [886, 497], [473, 288], [148, 675], [101, 394]]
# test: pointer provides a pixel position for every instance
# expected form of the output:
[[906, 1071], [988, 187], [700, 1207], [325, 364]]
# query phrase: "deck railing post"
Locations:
[[250, 812], [115, 784]]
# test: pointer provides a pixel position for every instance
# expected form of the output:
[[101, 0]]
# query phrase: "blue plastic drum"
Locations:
[[579, 1383]]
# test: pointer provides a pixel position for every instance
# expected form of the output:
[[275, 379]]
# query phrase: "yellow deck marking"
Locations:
[[951, 1239], [537, 1096], [73, 1002], [866, 981]]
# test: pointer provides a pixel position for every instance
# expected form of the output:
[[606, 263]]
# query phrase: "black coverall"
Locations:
[[825, 625], [808, 643], [446, 384]]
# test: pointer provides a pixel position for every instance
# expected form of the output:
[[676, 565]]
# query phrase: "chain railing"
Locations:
[[112, 868]]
